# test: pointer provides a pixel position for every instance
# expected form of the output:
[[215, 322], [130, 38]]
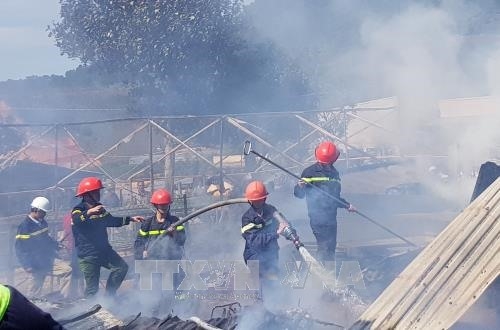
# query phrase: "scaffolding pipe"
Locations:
[[116, 145], [184, 144], [180, 145]]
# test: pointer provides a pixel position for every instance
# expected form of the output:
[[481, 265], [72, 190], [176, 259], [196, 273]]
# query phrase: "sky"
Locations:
[[26, 49]]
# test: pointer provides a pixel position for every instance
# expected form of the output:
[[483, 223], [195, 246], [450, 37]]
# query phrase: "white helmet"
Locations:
[[41, 203]]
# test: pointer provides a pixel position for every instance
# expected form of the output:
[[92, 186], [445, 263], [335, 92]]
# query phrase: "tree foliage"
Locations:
[[157, 38], [178, 55]]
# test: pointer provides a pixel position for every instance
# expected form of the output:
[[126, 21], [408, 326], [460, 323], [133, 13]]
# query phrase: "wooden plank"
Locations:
[[448, 276], [103, 319]]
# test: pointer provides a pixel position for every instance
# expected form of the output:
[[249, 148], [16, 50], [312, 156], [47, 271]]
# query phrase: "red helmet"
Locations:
[[87, 185], [327, 152], [256, 191], [161, 197]]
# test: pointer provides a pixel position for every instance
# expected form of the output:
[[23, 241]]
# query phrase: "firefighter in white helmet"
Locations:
[[34, 247]]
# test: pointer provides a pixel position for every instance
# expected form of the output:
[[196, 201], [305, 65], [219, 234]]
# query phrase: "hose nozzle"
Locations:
[[291, 234]]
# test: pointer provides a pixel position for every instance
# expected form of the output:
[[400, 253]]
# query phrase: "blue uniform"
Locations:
[[258, 228], [36, 251], [152, 237], [93, 248], [322, 209], [160, 246]]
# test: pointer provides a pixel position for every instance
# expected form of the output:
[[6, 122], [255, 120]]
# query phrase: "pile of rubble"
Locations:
[[229, 316]]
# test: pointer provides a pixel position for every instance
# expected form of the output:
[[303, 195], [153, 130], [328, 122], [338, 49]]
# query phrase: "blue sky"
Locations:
[[25, 48]]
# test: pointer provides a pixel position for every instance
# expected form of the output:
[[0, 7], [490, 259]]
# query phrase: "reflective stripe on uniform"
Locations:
[[92, 217], [4, 300], [157, 232], [252, 225], [82, 217], [99, 216], [35, 233], [319, 179]]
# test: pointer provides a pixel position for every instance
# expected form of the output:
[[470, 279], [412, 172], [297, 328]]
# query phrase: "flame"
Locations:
[[6, 114]]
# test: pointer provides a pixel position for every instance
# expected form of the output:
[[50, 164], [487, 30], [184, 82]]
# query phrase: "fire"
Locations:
[[6, 114]]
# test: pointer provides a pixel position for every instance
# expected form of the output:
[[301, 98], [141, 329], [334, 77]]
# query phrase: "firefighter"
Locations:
[[322, 209], [36, 250], [156, 239], [17, 312], [159, 240], [90, 221], [261, 230]]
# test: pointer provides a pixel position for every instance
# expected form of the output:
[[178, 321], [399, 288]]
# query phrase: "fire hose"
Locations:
[[247, 149], [196, 213], [289, 233]]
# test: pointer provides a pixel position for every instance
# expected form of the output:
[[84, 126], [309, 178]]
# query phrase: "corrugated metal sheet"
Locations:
[[383, 103], [450, 274]]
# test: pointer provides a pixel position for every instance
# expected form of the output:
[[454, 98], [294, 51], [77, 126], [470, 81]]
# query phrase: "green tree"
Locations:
[[178, 56]]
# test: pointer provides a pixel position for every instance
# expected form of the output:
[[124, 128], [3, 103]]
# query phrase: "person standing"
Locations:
[[320, 186], [261, 230], [90, 221], [159, 240], [156, 239], [36, 250]]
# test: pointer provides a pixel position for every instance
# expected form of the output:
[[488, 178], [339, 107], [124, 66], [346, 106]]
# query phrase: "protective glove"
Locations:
[[170, 231]]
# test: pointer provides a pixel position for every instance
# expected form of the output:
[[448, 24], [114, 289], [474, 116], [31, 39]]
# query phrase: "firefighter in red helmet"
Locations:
[[322, 209], [89, 225], [159, 240], [326, 153], [261, 230], [155, 226]]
